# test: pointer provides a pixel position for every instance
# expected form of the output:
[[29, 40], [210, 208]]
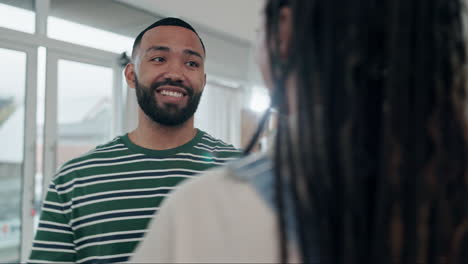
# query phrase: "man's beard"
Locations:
[[169, 114]]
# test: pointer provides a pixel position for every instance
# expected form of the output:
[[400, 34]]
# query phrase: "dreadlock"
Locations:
[[377, 164]]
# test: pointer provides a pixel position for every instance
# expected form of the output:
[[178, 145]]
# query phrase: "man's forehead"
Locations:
[[171, 35]]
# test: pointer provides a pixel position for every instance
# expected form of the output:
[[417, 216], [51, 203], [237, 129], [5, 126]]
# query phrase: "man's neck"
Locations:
[[155, 136]]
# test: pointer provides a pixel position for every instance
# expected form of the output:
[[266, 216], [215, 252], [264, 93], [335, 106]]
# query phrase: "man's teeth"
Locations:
[[171, 93]]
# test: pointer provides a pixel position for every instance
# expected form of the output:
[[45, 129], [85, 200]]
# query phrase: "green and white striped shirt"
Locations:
[[99, 205]]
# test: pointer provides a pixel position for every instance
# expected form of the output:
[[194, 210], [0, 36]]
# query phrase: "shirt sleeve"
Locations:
[[53, 242]]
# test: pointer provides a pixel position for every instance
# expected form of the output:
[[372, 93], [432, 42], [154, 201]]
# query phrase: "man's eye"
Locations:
[[158, 59], [193, 64]]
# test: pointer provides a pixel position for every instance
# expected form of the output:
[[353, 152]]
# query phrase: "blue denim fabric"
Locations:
[[258, 171]]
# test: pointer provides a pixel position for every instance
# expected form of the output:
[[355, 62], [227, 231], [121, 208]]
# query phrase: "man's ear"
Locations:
[[204, 82], [130, 75], [285, 30]]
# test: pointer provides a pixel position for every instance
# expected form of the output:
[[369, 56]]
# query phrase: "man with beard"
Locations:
[[99, 205]]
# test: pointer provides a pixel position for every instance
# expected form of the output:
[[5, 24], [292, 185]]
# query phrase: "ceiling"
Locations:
[[237, 18]]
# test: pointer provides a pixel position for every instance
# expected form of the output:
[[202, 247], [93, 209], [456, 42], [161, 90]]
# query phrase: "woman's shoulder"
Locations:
[[228, 184], [215, 217]]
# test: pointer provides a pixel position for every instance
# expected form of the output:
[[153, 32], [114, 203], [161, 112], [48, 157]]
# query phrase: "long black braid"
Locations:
[[377, 164]]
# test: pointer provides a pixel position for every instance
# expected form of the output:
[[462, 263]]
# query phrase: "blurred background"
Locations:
[[62, 90]]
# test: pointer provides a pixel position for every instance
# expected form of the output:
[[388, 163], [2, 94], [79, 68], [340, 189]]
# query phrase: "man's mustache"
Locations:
[[156, 85]]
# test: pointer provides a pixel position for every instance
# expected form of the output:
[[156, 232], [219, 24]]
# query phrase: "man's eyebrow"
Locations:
[[156, 48], [191, 52], [164, 48]]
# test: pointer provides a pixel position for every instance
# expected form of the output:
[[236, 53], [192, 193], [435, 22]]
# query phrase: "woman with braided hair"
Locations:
[[370, 163]]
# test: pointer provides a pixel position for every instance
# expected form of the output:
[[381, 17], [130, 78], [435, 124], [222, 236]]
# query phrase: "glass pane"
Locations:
[[18, 15], [84, 108], [104, 24], [12, 92], [259, 99]]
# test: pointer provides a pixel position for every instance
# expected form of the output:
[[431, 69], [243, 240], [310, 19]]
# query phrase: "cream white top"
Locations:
[[214, 218]]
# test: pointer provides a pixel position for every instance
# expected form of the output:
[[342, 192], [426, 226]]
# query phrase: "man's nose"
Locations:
[[174, 72]]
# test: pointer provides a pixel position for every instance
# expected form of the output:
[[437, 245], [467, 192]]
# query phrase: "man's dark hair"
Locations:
[[168, 21]]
